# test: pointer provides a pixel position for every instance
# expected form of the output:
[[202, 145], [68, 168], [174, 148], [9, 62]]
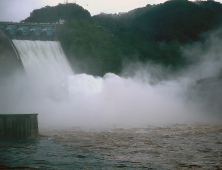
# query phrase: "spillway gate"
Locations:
[[29, 31]]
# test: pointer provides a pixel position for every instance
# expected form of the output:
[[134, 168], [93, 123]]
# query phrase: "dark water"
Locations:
[[48, 154], [191, 146]]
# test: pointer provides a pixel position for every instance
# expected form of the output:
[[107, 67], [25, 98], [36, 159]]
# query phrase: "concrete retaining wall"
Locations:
[[18, 126]]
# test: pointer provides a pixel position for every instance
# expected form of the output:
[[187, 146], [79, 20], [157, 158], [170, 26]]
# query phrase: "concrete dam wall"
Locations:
[[10, 61], [29, 31]]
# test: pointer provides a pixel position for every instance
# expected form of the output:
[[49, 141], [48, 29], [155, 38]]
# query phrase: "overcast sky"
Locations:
[[17, 10]]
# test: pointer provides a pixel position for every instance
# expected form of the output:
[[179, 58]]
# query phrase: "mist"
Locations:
[[143, 95]]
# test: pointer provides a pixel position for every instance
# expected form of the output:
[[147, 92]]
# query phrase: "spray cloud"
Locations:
[[94, 102]]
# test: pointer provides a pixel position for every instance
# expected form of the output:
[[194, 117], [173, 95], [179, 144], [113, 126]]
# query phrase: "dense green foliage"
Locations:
[[53, 14], [100, 44], [175, 20], [212, 5], [92, 49]]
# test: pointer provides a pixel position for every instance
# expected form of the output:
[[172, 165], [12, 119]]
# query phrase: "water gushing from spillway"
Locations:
[[43, 60]]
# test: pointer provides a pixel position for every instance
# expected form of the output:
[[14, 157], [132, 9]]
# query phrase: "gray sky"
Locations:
[[17, 10]]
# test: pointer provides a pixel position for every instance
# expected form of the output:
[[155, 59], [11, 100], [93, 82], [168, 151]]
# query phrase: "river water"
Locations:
[[176, 146]]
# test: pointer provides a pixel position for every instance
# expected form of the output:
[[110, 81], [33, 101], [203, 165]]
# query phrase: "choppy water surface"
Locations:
[[196, 146]]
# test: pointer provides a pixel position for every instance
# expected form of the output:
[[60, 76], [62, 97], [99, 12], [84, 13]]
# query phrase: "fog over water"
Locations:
[[145, 94]]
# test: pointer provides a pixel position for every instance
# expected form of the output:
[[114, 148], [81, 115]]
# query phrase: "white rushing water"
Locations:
[[63, 99], [43, 60]]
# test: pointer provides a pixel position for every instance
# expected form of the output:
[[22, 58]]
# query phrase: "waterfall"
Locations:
[[43, 60]]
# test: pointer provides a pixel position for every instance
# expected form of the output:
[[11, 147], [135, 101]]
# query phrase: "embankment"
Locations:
[[9, 60]]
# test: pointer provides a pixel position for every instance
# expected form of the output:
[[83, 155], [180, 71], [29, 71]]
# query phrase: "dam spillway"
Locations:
[[45, 64], [43, 59]]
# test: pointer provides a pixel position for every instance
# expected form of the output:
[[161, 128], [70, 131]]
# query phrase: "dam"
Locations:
[[34, 49], [29, 31]]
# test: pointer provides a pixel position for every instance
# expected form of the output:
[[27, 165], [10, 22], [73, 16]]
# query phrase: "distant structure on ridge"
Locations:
[[61, 21]]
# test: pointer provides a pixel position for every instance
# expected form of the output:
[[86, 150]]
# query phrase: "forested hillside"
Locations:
[[93, 50], [52, 14], [172, 20], [100, 44]]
